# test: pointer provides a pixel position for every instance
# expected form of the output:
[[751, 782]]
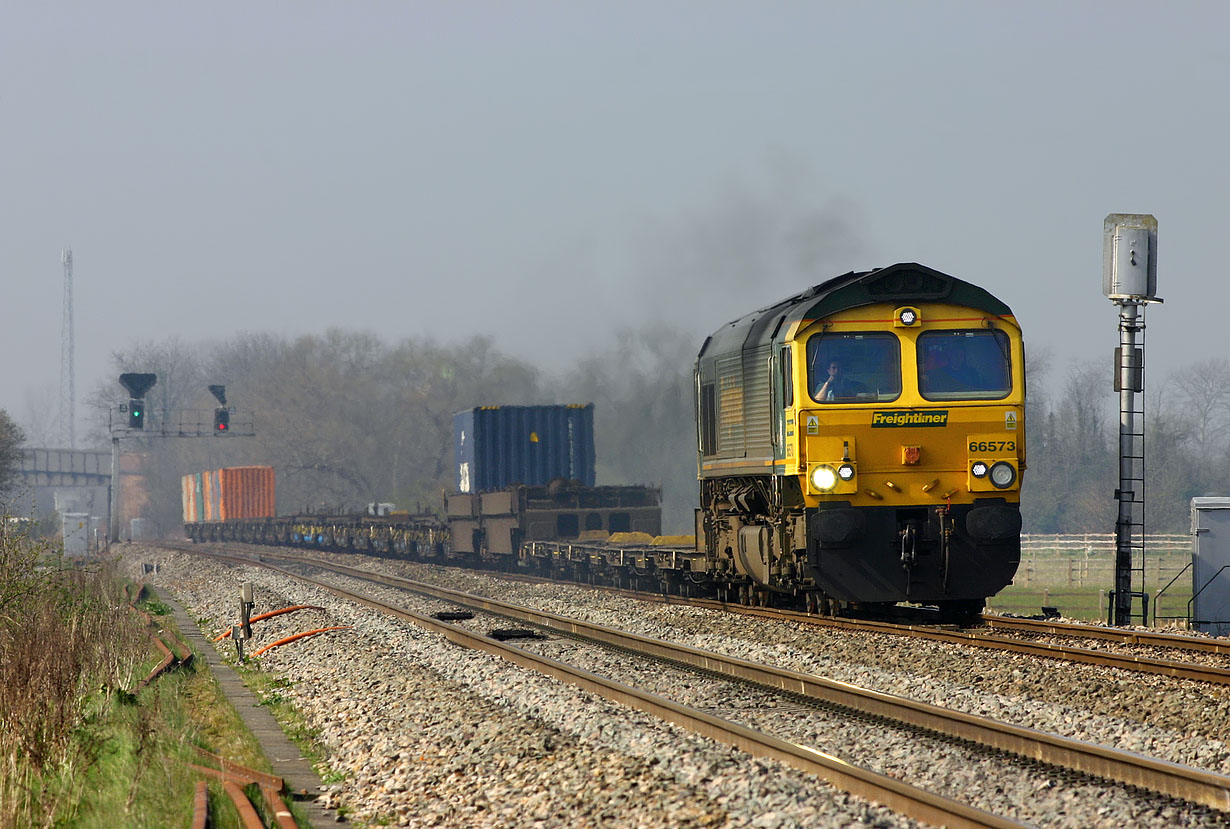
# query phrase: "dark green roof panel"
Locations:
[[907, 283]]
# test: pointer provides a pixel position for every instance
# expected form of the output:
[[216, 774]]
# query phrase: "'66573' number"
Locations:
[[992, 446]]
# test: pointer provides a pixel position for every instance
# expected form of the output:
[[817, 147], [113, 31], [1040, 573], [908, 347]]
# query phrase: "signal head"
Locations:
[[136, 414]]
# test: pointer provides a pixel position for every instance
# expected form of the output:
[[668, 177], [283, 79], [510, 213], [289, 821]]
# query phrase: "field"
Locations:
[[1075, 573]]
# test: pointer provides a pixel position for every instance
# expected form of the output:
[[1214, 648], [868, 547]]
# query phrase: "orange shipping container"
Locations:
[[212, 495], [185, 494], [246, 492]]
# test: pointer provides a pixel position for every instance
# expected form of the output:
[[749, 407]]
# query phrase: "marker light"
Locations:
[[823, 478], [845, 472], [1003, 475], [979, 469]]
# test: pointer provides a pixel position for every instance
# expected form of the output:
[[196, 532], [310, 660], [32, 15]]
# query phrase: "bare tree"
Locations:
[[38, 419], [1071, 458], [1202, 392], [347, 420], [178, 366]]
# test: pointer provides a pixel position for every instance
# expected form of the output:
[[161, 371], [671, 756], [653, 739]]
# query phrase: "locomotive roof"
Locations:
[[906, 283]]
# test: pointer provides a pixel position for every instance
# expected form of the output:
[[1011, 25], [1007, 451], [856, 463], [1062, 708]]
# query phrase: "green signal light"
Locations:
[[136, 414]]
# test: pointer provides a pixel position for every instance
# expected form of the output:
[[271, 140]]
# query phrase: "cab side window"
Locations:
[[787, 378]]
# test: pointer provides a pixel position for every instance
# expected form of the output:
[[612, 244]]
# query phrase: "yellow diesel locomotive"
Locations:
[[862, 444]]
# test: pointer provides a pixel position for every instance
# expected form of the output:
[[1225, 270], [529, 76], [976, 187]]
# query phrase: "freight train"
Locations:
[[859, 445]]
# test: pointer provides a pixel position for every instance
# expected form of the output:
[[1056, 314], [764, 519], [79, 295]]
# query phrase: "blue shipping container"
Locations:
[[496, 446]]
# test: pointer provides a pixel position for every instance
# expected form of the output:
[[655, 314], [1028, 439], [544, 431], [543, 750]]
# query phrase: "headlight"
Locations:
[[908, 316], [824, 478], [1003, 475], [845, 472], [979, 469]]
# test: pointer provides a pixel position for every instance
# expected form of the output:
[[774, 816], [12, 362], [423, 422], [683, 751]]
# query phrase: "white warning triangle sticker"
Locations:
[[1010, 421], [813, 425]]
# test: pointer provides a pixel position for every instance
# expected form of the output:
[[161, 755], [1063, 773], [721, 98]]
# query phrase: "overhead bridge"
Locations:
[[64, 467]]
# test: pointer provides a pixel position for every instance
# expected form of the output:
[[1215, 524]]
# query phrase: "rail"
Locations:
[[200, 806], [175, 654], [1119, 635], [235, 778], [1139, 664]]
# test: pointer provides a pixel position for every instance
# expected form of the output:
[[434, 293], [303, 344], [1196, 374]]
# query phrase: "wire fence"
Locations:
[[1077, 559], [1100, 544], [1076, 572]]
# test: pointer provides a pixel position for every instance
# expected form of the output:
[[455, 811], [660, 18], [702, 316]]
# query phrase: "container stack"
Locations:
[[230, 493], [496, 446]]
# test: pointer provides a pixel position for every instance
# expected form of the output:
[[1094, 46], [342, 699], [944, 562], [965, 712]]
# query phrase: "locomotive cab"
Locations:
[[863, 442]]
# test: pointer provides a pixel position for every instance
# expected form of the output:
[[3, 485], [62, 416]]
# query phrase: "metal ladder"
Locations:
[[1130, 525]]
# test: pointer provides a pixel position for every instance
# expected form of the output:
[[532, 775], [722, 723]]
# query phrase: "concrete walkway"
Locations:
[[302, 782]]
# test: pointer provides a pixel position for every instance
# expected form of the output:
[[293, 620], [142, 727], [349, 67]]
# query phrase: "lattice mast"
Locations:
[[68, 390]]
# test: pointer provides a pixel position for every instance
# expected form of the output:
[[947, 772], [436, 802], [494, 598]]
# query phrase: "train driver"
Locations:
[[837, 385]]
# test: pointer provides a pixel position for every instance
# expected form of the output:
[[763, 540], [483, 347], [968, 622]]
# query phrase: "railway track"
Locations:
[[907, 800], [1155, 665], [1119, 636], [1074, 756], [1025, 643]]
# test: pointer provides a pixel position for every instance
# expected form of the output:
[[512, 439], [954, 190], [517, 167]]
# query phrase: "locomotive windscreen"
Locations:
[[964, 365], [854, 367]]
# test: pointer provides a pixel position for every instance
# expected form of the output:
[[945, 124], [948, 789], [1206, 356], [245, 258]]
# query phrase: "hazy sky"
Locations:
[[549, 172]]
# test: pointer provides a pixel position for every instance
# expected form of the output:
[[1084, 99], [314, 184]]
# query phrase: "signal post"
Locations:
[[1129, 280], [179, 423]]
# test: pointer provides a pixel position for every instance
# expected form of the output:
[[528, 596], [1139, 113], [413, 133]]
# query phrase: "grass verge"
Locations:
[[1083, 603], [79, 747]]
